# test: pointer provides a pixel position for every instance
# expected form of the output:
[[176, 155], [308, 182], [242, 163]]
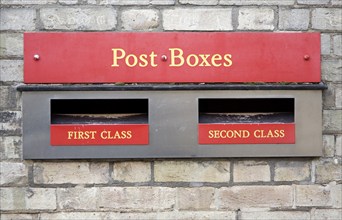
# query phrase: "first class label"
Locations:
[[171, 57]]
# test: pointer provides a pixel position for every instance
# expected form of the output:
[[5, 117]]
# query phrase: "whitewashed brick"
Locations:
[[199, 198], [294, 19], [325, 44], [292, 171], [256, 19], [257, 2], [70, 172], [10, 147], [13, 174], [139, 20], [239, 197], [132, 171], [137, 198], [21, 19], [76, 198], [28, 199], [199, 2], [338, 45], [11, 44], [28, 2], [332, 120], [78, 18], [11, 70], [327, 172], [197, 19], [313, 2], [17, 217], [251, 171], [327, 19], [68, 2], [126, 2], [326, 214], [338, 145], [162, 2], [313, 195], [191, 171], [285, 215], [328, 145], [331, 70]]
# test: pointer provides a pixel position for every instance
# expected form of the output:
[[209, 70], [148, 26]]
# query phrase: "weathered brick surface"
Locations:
[[14, 174], [332, 119], [11, 45], [326, 214], [100, 19], [292, 171], [70, 172], [10, 123], [11, 70], [331, 70], [257, 2], [191, 171], [29, 2], [10, 98], [10, 147], [328, 145], [18, 217], [139, 20], [327, 172], [77, 198], [239, 197], [325, 44], [336, 2], [338, 146], [338, 96], [199, 198], [28, 199], [256, 19], [251, 171], [22, 19], [199, 2], [313, 2], [68, 2], [268, 215], [313, 195], [132, 171], [197, 19], [327, 19], [136, 198], [294, 19], [337, 45]]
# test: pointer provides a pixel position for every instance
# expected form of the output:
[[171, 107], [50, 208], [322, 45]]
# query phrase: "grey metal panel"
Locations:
[[173, 121]]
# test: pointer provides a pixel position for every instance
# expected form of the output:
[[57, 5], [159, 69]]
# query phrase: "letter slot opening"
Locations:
[[78, 122], [246, 121]]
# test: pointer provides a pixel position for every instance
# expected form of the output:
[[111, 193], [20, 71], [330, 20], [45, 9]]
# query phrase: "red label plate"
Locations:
[[78, 134], [246, 133], [171, 57]]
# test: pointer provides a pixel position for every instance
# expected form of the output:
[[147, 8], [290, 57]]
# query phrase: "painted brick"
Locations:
[[294, 19], [10, 147], [191, 171], [239, 197], [28, 2], [11, 45], [268, 215], [313, 2], [14, 174], [326, 214], [76, 198], [199, 2], [313, 195], [139, 20], [338, 45], [18, 217], [11, 70], [28, 199], [256, 2], [137, 198], [327, 19], [328, 145], [256, 19], [100, 19], [292, 171], [197, 19], [331, 70], [332, 120], [21, 19], [325, 44], [327, 172], [338, 146], [199, 198], [132, 171], [251, 171], [70, 172], [10, 123], [10, 98]]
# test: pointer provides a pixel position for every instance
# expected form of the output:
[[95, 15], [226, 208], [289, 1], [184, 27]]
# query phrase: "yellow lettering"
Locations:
[[143, 59], [214, 58], [204, 60], [129, 134], [116, 57], [152, 56], [135, 60], [227, 58], [188, 60], [179, 56]]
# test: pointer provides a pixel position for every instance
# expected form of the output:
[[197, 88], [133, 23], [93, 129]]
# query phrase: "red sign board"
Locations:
[[246, 133], [171, 57], [116, 134]]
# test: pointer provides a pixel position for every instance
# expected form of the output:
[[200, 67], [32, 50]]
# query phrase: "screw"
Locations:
[[36, 57], [306, 57], [164, 58]]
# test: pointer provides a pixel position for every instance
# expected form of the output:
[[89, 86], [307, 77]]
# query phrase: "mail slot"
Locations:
[[99, 122], [246, 121]]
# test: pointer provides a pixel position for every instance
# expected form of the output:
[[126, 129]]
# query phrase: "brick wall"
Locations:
[[233, 188]]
